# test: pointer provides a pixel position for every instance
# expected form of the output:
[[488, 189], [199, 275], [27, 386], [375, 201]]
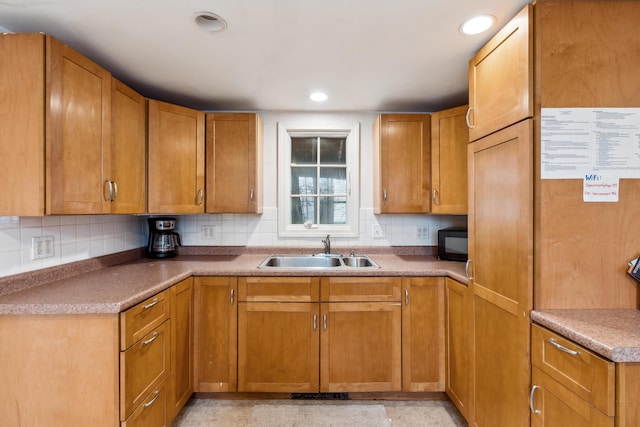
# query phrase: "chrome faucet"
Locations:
[[327, 245]]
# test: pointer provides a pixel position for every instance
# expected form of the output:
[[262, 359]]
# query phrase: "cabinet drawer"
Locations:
[[282, 289], [357, 289], [584, 373], [151, 412], [142, 318], [142, 367]]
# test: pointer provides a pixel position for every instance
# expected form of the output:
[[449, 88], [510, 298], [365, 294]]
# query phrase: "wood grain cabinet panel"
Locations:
[[215, 334], [449, 139], [180, 387], [423, 339], [402, 163], [234, 162], [175, 176]]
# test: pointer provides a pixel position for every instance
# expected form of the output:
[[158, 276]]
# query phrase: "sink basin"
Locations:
[[319, 261]]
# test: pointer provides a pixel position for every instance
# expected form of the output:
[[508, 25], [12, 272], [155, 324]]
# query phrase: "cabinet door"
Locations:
[[22, 124], [215, 334], [500, 250], [402, 159], [128, 150], [556, 406], [278, 347], [175, 178], [360, 347], [78, 132], [449, 139], [423, 334], [234, 163], [458, 346], [501, 78], [181, 384]]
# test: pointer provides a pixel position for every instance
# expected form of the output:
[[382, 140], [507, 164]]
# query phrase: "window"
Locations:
[[318, 180]]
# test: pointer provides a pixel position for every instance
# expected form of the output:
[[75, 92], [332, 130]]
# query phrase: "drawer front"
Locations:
[[360, 289], [584, 373], [142, 367], [151, 412], [283, 289], [142, 318]]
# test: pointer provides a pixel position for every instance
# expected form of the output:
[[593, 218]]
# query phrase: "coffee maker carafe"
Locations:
[[163, 240]]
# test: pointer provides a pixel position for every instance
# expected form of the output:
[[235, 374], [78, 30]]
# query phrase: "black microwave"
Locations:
[[453, 244]]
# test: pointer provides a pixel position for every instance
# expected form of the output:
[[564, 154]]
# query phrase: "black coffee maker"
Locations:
[[163, 240]]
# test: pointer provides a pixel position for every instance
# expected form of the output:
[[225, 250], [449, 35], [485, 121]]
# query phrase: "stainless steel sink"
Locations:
[[319, 261]]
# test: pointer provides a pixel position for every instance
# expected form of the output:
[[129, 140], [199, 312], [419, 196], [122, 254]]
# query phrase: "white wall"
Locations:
[[261, 230], [88, 236]]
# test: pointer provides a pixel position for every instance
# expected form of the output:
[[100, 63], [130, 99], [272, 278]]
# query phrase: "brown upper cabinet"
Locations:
[[234, 163], [449, 139], [59, 155], [501, 79], [175, 178], [128, 150], [402, 160]]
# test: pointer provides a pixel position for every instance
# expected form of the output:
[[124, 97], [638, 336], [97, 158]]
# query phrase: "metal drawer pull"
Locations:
[[466, 269], [435, 194], [533, 392], [152, 401], [384, 196], [315, 322], [232, 297], [115, 191], [151, 304], [108, 198], [152, 339], [563, 348], [251, 195], [324, 321], [406, 296]]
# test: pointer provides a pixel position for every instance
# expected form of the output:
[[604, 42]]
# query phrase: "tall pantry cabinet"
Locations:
[[500, 222], [534, 243]]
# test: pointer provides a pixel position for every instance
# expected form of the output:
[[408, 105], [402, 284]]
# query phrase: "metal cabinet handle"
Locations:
[[232, 296], [151, 304], [315, 322], [200, 196], [115, 191], [155, 336], [406, 296], [435, 194], [324, 321], [251, 195], [384, 195], [469, 125], [562, 348], [152, 401], [110, 196], [466, 269], [533, 392]]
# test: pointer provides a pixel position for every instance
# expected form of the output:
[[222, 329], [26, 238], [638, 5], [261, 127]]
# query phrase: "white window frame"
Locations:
[[352, 133]]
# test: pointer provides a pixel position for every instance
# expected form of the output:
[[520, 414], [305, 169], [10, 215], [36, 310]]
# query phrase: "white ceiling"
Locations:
[[367, 55]]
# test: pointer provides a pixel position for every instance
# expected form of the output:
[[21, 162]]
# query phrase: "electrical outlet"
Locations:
[[377, 232], [422, 232], [208, 231], [41, 247]]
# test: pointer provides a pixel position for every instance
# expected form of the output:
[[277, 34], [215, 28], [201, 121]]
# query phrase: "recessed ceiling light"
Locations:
[[318, 96], [477, 25], [210, 21]]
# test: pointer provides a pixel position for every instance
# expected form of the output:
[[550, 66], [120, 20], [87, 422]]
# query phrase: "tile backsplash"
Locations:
[[75, 238], [80, 237]]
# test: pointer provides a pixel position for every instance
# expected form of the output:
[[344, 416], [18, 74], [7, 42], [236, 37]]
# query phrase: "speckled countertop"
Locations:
[[115, 288], [614, 334]]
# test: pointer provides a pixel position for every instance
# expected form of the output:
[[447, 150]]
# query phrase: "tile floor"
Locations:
[[200, 412]]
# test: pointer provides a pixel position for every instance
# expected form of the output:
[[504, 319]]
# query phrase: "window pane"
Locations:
[[333, 181], [303, 181], [333, 150], [304, 150], [303, 209], [333, 210]]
